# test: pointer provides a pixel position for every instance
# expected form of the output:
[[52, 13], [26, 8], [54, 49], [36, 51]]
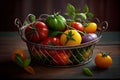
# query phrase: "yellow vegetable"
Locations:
[[70, 38]]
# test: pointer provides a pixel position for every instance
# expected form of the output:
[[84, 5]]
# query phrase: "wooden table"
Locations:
[[10, 41]]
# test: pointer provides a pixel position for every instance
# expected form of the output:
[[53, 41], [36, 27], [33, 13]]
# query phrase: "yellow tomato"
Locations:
[[70, 38], [91, 28]]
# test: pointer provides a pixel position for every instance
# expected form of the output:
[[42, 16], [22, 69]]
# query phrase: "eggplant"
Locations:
[[89, 37]]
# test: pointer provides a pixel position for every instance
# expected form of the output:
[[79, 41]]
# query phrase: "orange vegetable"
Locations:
[[91, 28], [21, 52], [103, 60]]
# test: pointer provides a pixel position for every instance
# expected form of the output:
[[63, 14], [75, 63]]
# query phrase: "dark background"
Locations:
[[10, 9]]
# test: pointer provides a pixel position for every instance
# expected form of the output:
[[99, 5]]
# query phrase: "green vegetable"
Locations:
[[56, 22], [87, 72]]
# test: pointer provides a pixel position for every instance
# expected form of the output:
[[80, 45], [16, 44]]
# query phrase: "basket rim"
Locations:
[[64, 47]]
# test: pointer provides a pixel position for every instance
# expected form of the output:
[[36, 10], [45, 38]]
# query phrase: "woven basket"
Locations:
[[77, 55]]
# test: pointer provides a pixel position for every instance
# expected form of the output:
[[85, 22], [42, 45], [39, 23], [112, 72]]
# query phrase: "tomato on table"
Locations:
[[103, 60], [19, 56]]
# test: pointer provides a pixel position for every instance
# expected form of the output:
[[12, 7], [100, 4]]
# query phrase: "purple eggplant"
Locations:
[[88, 37]]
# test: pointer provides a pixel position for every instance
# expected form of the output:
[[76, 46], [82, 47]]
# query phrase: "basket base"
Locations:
[[62, 58]]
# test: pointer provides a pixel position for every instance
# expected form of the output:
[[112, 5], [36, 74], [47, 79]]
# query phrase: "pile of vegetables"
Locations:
[[56, 30], [69, 32]]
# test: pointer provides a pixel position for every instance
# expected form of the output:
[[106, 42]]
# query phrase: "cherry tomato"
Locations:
[[77, 26], [103, 60], [70, 38], [21, 52], [36, 32], [91, 28]]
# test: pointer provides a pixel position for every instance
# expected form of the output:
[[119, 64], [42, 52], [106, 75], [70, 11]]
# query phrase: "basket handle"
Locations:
[[18, 23], [102, 27], [42, 17]]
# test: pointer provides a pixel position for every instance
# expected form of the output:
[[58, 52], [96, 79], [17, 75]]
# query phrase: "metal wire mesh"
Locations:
[[62, 56]]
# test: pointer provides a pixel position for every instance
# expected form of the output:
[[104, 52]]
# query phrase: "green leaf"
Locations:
[[78, 19], [70, 8], [90, 15], [71, 11], [82, 15], [85, 24], [54, 33], [27, 62], [77, 14], [87, 72], [21, 62], [86, 9], [77, 11], [18, 60]]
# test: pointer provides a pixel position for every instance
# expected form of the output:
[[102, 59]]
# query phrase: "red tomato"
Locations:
[[36, 32], [61, 58], [77, 26], [52, 41]]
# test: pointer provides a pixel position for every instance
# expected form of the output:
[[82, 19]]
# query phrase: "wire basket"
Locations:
[[62, 56]]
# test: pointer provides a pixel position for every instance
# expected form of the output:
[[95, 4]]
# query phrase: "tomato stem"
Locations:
[[69, 36], [105, 54]]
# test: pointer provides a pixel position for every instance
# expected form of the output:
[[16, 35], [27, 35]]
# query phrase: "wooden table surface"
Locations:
[[10, 41]]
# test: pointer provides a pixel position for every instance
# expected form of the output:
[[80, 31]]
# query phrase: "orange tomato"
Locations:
[[21, 52], [103, 60], [91, 28]]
